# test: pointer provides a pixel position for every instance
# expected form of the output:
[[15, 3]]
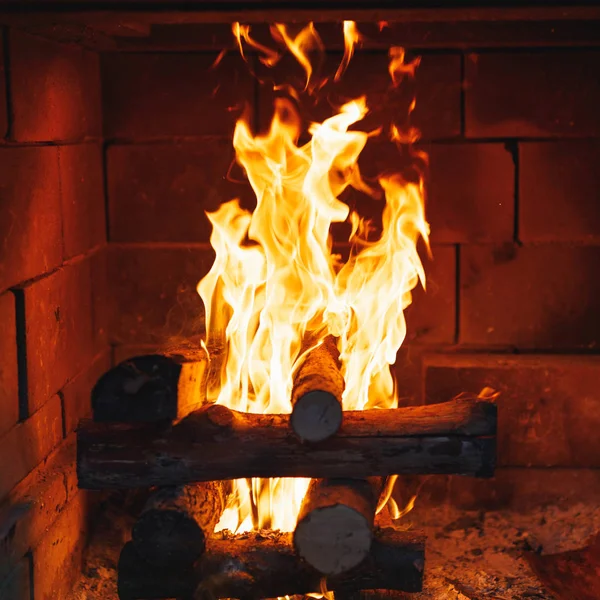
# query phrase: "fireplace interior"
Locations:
[[116, 125]]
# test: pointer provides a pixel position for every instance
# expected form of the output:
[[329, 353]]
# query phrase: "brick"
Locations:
[[548, 409], [154, 293], [150, 95], [9, 381], [55, 90], [516, 489], [431, 318], [530, 297], [559, 187], [30, 213], [59, 330], [543, 94], [57, 560], [160, 192], [17, 585], [469, 187], [470, 193], [33, 505], [522, 490], [3, 96], [77, 392], [82, 195], [28, 443], [101, 295], [437, 88]]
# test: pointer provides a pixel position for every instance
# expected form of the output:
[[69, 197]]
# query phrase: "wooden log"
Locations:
[[334, 532], [175, 522], [217, 443], [151, 388], [264, 565], [317, 393]]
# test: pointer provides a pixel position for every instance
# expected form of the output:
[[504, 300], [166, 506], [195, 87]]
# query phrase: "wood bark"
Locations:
[[264, 565], [214, 442], [317, 393], [151, 388], [334, 532], [175, 522]]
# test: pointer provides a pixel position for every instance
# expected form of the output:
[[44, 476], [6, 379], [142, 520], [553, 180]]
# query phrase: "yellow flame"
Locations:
[[351, 37], [276, 279]]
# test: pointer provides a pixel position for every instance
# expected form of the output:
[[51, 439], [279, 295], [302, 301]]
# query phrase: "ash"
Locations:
[[470, 555]]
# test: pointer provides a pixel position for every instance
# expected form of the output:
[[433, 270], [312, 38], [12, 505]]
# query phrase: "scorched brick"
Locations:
[[530, 297], [558, 190], [150, 95], [522, 94]]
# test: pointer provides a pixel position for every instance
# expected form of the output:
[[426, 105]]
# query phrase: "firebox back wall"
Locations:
[[145, 139]]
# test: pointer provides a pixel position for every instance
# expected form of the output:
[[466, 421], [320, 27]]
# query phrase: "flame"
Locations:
[[351, 37], [241, 33], [398, 69], [276, 279], [300, 46]]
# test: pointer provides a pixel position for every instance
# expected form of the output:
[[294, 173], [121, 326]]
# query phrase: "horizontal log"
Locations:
[[264, 565], [151, 388], [216, 443], [317, 393]]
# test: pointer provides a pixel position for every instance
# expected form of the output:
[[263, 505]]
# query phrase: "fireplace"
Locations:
[[117, 123]]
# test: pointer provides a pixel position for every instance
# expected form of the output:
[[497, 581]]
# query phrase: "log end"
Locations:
[[167, 538], [316, 416], [333, 539]]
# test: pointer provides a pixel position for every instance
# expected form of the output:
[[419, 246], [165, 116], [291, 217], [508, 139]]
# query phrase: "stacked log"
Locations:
[[264, 564], [165, 438]]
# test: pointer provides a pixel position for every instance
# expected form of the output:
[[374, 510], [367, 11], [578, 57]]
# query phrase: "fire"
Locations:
[[276, 278]]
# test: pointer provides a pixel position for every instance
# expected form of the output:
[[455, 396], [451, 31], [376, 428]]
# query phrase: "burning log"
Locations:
[[456, 437], [335, 525], [317, 394], [175, 522], [151, 388], [264, 565]]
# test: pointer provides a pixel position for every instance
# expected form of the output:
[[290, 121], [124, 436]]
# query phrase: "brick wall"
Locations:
[[513, 205], [52, 340], [511, 299]]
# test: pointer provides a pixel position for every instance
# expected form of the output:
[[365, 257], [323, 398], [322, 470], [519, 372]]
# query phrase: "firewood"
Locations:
[[175, 522], [334, 532], [317, 393], [150, 388], [264, 565], [456, 437]]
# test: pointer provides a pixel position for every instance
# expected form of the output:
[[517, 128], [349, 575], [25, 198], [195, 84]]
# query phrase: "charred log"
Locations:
[[334, 532], [151, 388], [216, 443], [264, 565], [317, 393], [175, 522]]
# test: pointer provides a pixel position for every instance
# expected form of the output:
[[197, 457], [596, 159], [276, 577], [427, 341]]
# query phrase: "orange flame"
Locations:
[[351, 37], [398, 69], [275, 278]]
